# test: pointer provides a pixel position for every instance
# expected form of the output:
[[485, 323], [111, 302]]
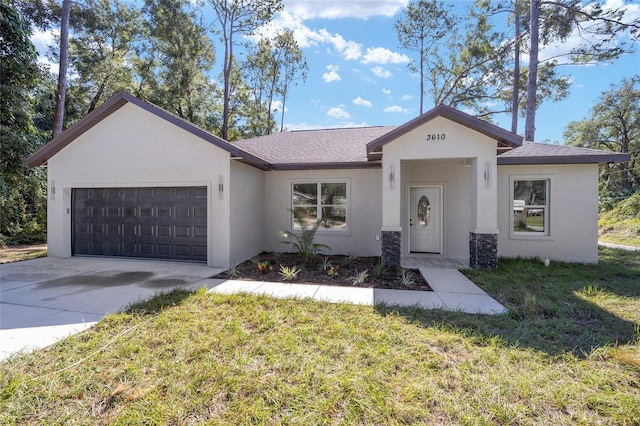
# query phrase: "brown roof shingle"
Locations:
[[542, 153], [347, 146]]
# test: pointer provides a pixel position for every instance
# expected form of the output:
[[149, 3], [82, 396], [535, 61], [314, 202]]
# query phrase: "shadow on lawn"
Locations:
[[159, 302], [548, 307]]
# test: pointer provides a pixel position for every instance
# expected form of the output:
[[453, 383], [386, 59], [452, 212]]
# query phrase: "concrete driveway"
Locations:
[[47, 299]]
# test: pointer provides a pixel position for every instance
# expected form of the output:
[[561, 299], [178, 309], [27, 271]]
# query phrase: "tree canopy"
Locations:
[[614, 125]]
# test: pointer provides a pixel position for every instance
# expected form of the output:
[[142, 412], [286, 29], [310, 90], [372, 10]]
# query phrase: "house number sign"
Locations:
[[436, 137]]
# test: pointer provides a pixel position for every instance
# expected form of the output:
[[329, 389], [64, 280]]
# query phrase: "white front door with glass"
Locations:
[[425, 219]]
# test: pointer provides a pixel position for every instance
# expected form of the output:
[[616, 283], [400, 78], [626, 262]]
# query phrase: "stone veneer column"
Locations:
[[483, 251], [391, 248]]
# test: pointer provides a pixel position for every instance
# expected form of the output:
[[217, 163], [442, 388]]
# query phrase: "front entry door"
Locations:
[[425, 219]]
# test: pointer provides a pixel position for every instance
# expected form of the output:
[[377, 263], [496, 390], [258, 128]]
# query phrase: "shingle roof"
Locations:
[[322, 148], [541, 153], [332, 148]]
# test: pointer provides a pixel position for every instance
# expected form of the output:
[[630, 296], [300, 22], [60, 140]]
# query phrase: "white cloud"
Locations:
[[395, 108], [380, 72], [42, 40], [306, 37], [362, 102], [407, 97], [332, 74], [339, 113], [382, 55], [306, 126], [386, 91], [362, 9], [277, 106]]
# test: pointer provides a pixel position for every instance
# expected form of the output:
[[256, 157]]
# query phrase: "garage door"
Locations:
[[161, 223]]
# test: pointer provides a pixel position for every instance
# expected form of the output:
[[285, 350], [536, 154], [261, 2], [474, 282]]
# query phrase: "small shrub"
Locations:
[[360, 277], [325, 264], [233, 272], [333, 271], [407, 278], [379, 269], [289, 273], [265, 267], [304, 241], [351, 257]]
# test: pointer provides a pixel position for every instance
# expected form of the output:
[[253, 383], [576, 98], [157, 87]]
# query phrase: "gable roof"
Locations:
[[332, 148], [542, 153], [502, 136], [116, 102], [329, 148]]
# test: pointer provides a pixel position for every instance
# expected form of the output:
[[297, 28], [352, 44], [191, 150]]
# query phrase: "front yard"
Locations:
[[567, 353]]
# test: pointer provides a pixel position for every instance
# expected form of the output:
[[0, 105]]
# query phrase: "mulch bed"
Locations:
[[325, 270]]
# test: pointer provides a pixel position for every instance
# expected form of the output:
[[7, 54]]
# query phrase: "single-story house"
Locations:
[[131, 179]]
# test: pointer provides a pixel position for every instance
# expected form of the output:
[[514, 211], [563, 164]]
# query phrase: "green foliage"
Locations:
[[265, 267], [22, 189], [304, 241], [620, 224], [105, 33], [237, 18], [289, 273], [407, 278], [360, 277], [174, 60], [614, 125], [333, 271], [379, 269], [325, 263]]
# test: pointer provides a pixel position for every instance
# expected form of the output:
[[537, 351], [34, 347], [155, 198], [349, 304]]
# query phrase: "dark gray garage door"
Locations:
[[164, 223]]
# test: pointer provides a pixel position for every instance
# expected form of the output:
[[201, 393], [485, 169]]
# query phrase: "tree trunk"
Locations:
[[61, 93], [532, 83], [516, 74]]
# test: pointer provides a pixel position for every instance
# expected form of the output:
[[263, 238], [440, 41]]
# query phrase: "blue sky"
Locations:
[[358, 73]]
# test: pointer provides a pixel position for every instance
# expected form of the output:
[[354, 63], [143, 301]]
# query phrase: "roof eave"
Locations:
[[502, 136], [326, 166], [565, 159]]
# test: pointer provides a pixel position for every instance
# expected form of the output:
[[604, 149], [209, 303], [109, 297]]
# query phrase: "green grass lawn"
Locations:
[[567, 353]]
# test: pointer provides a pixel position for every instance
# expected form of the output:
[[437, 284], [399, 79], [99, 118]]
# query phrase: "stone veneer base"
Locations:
[[391, 255], [483, 251]]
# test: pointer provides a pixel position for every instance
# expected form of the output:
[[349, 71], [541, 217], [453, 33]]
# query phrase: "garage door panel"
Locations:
[[159, 222]]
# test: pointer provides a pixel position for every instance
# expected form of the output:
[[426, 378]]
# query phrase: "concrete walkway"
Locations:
[[452, 291]]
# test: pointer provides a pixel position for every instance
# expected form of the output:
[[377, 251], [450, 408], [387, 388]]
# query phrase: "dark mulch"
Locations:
[[326, 270]]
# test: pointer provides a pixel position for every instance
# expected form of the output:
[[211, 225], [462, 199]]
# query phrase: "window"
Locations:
[[326, 201], [531, 206]]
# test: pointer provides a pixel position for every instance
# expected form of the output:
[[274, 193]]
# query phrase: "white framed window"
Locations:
[[327, 201], [530, 206]]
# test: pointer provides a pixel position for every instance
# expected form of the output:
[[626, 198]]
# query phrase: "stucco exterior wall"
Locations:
[[455, 179], [134, 148], [459, 142], [573, 220], [364, 212], [246, 194]]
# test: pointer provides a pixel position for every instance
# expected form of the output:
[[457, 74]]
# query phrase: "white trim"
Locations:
[[548, 217], [318, 181], [408, 216]]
